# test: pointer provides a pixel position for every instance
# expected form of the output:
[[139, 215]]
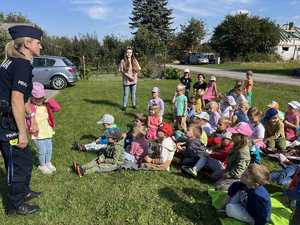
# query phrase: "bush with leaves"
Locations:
[[171, 73]]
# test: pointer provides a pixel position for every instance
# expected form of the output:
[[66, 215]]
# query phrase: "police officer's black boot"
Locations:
[[32, 195], [24, 209]]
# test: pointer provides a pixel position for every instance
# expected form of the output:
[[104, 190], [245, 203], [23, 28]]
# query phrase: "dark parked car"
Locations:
[[54, 71]]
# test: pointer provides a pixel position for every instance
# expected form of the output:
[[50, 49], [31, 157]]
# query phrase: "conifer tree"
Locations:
[[153, 15]]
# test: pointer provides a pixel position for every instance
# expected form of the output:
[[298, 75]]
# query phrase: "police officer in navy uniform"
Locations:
[[15, 91]]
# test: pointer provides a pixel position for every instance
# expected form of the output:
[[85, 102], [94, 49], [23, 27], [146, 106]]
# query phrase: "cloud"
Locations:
[[94, 9], [294, 2], [97, 12], [204, 8], [240, 11], [297, 18], [199, 8], [238, 1]]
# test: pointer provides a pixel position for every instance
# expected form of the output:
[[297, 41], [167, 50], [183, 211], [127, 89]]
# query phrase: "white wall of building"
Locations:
[[289, 50]]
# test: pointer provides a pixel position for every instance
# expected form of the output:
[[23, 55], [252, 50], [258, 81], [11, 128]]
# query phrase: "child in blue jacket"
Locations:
[[248, 200], [107, 121]]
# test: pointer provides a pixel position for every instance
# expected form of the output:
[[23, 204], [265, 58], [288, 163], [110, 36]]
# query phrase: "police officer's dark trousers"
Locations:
[[19, 166]]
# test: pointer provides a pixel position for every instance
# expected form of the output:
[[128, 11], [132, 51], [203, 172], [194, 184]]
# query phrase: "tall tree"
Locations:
[[191, 35], [241, 34], [153, 15], [137, 13]]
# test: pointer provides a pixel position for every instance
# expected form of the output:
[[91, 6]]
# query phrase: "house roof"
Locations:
[[289, 31]]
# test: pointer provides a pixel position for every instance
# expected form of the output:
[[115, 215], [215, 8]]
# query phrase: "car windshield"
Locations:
[[67, 62]]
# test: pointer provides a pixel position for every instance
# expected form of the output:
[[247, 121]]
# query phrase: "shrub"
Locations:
[[255, 57], [259, 57], [151, 70], [171, 73]]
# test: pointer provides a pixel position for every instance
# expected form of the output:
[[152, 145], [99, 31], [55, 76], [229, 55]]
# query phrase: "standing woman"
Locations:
[[129, 68], [15, 90]]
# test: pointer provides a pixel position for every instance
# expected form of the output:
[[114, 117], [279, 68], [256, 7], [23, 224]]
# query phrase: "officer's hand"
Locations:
[[23, 141]]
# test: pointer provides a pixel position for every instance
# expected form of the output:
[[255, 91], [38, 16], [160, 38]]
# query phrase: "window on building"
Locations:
[[285, 49]]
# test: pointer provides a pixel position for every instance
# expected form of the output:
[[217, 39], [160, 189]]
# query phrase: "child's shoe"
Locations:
[[44, 169], [51, 167], [78, 146], [191, 171], [79, 171]]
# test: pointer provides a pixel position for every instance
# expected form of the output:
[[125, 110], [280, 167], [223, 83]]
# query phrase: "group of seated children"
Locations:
[[219, 136]]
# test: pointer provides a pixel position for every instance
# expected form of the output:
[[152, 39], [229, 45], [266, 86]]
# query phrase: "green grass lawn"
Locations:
[[125, 197], [282, 68]]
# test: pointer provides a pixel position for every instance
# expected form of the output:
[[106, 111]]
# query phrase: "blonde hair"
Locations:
[[156, 109], [225, 120], [180, 87], [253, 111], [258, 174], [244, 103], [13, 48], [213, 104]]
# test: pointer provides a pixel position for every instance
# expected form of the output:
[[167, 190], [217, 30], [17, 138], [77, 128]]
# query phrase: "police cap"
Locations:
[[20, 31]]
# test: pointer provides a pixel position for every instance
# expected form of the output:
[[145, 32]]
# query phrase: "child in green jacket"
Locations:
[[109, 159], [239, 157]]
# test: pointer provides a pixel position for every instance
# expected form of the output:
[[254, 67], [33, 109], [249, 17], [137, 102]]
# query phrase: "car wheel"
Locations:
[[59, 82]]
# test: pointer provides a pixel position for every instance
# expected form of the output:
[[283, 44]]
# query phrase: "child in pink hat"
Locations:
[[43, 112], [238, 158]]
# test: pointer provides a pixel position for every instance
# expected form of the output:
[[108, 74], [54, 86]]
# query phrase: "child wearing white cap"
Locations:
[[186, 81], [204, 123], [211, 91], [227, 106], [108, 122], [156, 100], [291, 121]]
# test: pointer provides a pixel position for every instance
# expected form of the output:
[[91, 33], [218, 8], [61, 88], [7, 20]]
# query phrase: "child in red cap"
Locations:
[[166, 147]]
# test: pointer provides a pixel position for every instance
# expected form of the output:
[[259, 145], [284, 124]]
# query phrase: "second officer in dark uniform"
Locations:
[[15, 90]]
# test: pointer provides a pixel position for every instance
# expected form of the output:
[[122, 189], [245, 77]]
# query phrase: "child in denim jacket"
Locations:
[[107, 121]]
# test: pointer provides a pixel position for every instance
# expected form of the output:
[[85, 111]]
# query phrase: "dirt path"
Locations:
[[258, 77]]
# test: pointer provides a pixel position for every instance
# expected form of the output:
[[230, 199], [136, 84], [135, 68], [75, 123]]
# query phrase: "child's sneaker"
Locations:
[[44, 169], [78, 146], [51, 167], [190, 171], [79, 171]]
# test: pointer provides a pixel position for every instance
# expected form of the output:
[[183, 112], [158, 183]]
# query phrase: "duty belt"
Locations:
[[8, 133]]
